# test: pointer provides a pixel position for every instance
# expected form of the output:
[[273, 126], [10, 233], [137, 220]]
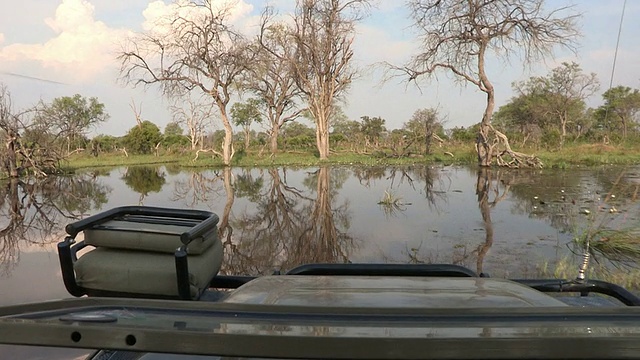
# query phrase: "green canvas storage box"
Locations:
[[164, 237], [142, 251]]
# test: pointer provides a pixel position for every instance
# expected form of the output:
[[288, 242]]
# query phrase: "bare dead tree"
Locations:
[[273, 78], [9, 125], [196, 50], [194, 114], [34, 211], [136, 113], [457, 37], [323, 33], [28, 147]]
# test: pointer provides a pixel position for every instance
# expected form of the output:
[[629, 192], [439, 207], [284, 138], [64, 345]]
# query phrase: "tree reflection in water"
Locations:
[[206, 188], [488, 183], [492, 187], [35, 211], [144, 180], [267, 223], [288, 228]]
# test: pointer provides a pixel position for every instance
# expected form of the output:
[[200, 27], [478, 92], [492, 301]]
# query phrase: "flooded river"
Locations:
[[502, 222]]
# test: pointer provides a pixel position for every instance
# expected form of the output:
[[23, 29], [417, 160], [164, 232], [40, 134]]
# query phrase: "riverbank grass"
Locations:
[[256, 159], [460, 154], [591, 155]]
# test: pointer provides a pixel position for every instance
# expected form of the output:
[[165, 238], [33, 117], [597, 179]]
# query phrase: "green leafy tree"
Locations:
[[173, 128], [348, 128], [297, 129], [423, 125], [464, 135], [245, 114], [143, 139], [562, 94], [297, 135], [525, 116], [173, 136], [103, 143], [348, 131], [175, 141], [372, 129], [521, 110], [620, 109], [71, 117]]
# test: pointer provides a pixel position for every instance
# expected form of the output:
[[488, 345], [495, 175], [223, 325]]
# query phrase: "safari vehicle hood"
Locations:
[[340, 317]]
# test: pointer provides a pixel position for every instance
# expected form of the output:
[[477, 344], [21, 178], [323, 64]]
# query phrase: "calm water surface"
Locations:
[[505, 223]]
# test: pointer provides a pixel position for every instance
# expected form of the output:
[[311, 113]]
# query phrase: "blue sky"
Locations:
[[74, 42]]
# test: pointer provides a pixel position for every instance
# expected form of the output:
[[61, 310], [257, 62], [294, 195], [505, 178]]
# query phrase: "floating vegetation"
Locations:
[[392, 203], [389, 199]]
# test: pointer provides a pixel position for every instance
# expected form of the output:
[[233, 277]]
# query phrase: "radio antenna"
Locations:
[[615, 58]]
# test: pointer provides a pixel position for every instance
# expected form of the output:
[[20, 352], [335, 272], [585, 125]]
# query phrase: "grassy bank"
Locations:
[[298, 158], [117, 159], [591, 154], [584, 155]]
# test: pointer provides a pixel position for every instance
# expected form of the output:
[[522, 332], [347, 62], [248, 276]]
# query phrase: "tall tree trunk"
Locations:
[[322, 139], [11, 161], [488, 137], [483, 148], [484, 140], [194, 138], [322, 136], [247, 139], [274, 140], [484, 145], [563, 128], [227, 146]]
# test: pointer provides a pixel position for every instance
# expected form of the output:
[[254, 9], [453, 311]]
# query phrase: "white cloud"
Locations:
[[81, 49], [71, 15], [1, 38]]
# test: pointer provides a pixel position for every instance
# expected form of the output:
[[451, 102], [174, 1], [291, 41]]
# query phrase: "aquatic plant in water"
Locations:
[[391, 203]]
